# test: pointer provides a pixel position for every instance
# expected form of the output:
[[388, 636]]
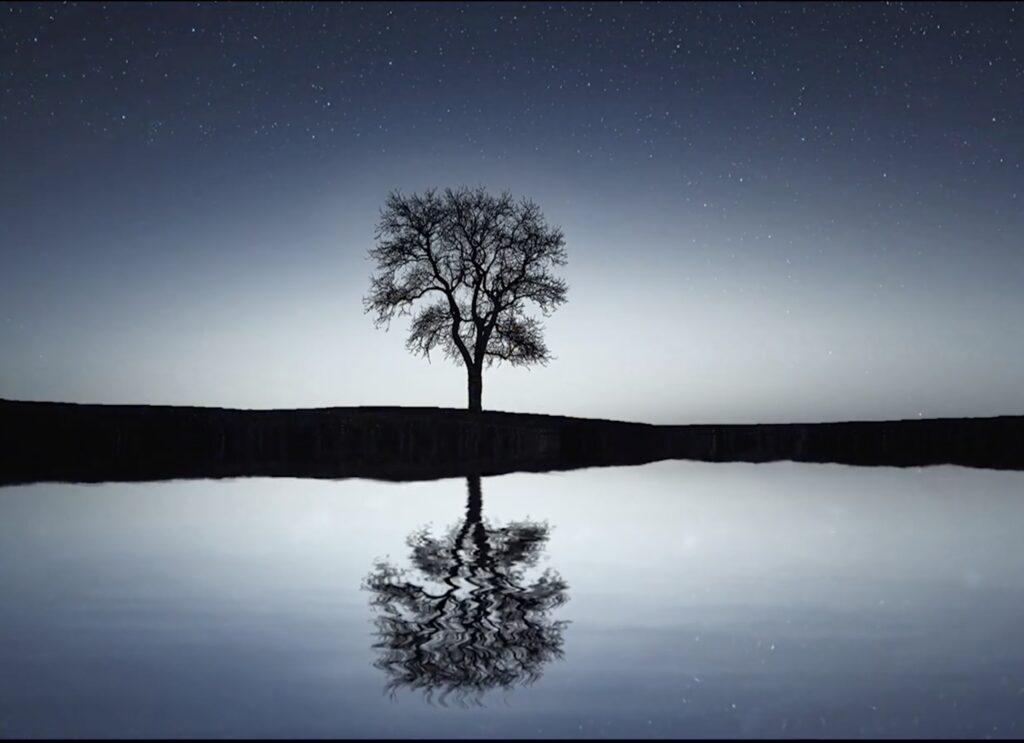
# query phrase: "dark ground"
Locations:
[[41, 441]]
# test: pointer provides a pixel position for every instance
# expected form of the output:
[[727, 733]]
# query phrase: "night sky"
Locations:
[[773, 212]]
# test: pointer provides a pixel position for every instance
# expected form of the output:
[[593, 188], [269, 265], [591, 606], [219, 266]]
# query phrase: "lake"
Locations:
[[671, 599]]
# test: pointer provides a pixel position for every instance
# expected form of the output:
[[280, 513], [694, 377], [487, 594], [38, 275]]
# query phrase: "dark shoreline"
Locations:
[[42, 441]]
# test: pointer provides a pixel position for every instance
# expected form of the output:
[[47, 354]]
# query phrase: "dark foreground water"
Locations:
[[673, 599]]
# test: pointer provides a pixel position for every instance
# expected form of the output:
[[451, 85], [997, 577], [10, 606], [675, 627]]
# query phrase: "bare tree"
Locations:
[[474, 621], [464, 264]]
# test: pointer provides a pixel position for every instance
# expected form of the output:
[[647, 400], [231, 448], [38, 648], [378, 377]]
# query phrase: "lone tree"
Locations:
[[464, 264]]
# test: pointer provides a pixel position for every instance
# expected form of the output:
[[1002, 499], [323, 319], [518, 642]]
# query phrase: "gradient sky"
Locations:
[[773, 212]]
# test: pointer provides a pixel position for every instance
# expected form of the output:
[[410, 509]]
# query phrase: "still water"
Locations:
[[673, 599]]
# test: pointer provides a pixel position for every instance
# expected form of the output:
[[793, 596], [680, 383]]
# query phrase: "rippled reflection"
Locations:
[[473, 621]]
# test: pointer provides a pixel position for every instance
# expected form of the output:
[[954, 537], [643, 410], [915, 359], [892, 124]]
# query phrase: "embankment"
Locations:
[[41, 441]]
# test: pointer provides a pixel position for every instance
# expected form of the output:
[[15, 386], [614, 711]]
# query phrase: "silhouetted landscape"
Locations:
[[501, 370], [92, 443]]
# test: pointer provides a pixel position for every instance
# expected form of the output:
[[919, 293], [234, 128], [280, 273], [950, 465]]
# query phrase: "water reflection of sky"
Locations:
[[704, 599]]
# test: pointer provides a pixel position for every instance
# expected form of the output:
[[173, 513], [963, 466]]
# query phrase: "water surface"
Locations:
[[672, 599]]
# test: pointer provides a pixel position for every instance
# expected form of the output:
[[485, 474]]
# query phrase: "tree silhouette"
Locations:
[[480, 625], [469, 263]]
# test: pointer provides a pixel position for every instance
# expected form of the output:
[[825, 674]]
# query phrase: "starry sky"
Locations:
[[773, 211]]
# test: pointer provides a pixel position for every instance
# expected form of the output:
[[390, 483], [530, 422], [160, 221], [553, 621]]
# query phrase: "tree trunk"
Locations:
[[476, 389]]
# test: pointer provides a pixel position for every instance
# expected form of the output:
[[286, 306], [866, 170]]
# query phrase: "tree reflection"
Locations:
[[477, 623]]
